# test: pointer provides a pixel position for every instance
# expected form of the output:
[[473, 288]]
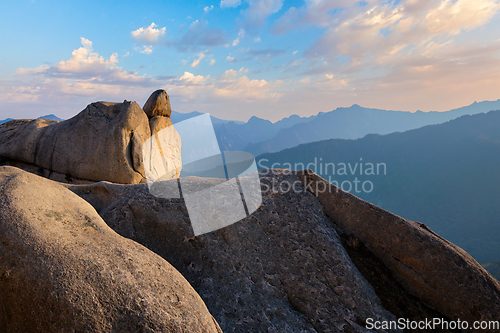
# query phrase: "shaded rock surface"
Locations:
[[294, 265], [62, 269], [439, 273], [283, 269]]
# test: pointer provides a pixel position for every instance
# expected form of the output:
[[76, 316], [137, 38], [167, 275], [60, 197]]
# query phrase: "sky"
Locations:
[[240, 58]]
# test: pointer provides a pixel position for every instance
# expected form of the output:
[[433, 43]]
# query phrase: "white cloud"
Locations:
[[295, 52], [453, 16], [83, 62], [207, 9], [32, 71], [149, 35], [230, 3], [197, 60], [191, 79], [67, 86], [257, 40], [234, 85], [212, 62], [381, 34], [147, 49], [241, 34], [227, 86]]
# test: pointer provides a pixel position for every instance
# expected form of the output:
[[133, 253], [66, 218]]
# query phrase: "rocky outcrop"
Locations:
[[294, 265], [164, 139], [103, 142], [158, 104], [311, 258], [62, 269], [283, 269], [439, 273]]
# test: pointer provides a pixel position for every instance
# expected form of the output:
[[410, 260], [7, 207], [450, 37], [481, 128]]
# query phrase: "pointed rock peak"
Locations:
[[257, 120], [158, 104]]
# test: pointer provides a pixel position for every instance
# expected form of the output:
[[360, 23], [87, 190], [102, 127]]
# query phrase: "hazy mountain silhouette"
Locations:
[[234, 136], [50, 116], [355, 122], [5, 120], [446, 176]]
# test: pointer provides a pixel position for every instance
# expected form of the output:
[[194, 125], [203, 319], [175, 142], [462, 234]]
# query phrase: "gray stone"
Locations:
[[103, 142], [429, 267], [62, 269], [283, 269], [158, 104]]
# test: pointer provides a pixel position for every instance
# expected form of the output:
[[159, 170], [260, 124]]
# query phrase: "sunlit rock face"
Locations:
[[104, 142], [62, 269]]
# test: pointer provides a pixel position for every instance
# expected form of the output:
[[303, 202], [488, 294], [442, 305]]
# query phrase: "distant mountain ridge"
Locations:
[[446, 176], [259, 136], [50, 116], [234, 136], [355, 122]]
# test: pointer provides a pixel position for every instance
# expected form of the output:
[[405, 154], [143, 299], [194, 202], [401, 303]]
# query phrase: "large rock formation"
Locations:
[[294, 266], [312, 258], [281, 270], [164, 140], [62, 269], [439, 273], [103, 142]]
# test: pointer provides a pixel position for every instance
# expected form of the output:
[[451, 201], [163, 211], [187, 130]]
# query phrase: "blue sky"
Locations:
[[239, 58]]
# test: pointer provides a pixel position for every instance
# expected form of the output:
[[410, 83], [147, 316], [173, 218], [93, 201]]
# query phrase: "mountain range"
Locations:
[[259, 136], [446, 176], [50, 116], [355, 122]]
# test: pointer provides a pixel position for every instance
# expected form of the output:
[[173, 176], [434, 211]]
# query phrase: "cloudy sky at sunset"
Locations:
[[238, 58]]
